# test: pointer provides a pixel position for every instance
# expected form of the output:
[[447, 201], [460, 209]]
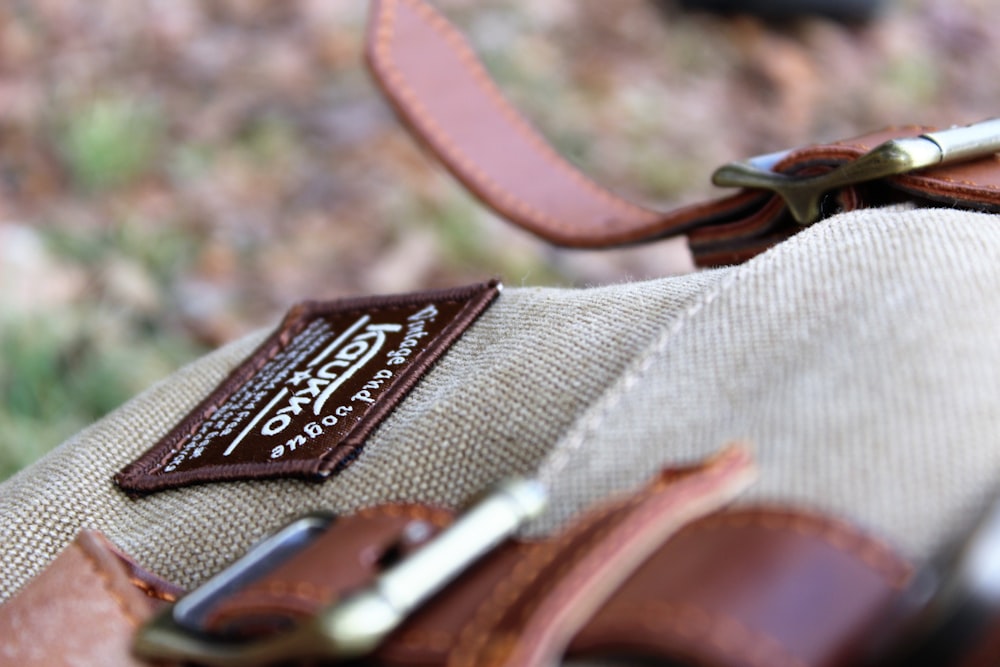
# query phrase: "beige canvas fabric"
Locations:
[[860, 357]]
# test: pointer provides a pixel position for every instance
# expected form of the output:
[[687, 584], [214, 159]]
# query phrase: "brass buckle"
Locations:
[[353, 627], [898, 156]]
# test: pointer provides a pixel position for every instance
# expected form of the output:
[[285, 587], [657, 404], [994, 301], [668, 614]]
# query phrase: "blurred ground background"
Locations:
[[175, 173]]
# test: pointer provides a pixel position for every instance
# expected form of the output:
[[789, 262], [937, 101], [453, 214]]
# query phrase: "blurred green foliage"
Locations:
[[110, 141], [65, 368], [60, 374], [164, 252]]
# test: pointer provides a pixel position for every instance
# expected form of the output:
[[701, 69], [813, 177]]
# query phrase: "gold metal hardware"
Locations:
[[897, 156]]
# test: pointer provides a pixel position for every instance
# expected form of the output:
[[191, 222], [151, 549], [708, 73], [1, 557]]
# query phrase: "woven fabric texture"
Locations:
[[860, 358], [507, 390]]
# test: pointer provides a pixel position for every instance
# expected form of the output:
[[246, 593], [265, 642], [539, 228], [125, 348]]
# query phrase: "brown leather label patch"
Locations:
[[304, 402]]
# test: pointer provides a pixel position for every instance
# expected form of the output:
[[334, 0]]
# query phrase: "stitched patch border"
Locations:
[[306, 399]]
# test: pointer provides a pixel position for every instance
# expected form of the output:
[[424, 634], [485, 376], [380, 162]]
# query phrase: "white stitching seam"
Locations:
[[561, 454]]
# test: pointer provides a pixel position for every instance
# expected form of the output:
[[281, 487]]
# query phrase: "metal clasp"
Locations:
[[898, 156], [353, 627]]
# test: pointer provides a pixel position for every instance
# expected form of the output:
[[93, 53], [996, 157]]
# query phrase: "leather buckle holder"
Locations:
[[352, 627], [803, 196]]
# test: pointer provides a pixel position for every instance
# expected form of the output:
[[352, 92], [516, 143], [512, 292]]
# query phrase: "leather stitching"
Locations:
[[724, 633], [411, 99], [474, 639], [874, 554], [954, 181], [434, 640], [108, 587], [472, 65], [433, 515], [151, 591], [475, 635], [297, 590]]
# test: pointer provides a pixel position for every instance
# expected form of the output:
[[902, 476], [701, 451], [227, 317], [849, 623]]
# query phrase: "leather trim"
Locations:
[[423, 64], [82, 609]]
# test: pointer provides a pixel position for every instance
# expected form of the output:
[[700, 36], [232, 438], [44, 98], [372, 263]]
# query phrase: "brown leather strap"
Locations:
[[655, 574], [442, 92], [753, 587], [445, 96], [540, 593], [439, 87], [749, 587], [82, 610], [549, 592]]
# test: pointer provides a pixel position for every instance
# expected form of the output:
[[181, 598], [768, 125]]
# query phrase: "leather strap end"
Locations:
[[445, 96], [533, 614], [83, 609]]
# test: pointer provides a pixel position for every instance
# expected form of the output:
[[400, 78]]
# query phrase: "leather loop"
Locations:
[[534, 611]]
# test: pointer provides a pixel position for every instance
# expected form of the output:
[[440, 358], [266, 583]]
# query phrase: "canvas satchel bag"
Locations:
[[758, 463]]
